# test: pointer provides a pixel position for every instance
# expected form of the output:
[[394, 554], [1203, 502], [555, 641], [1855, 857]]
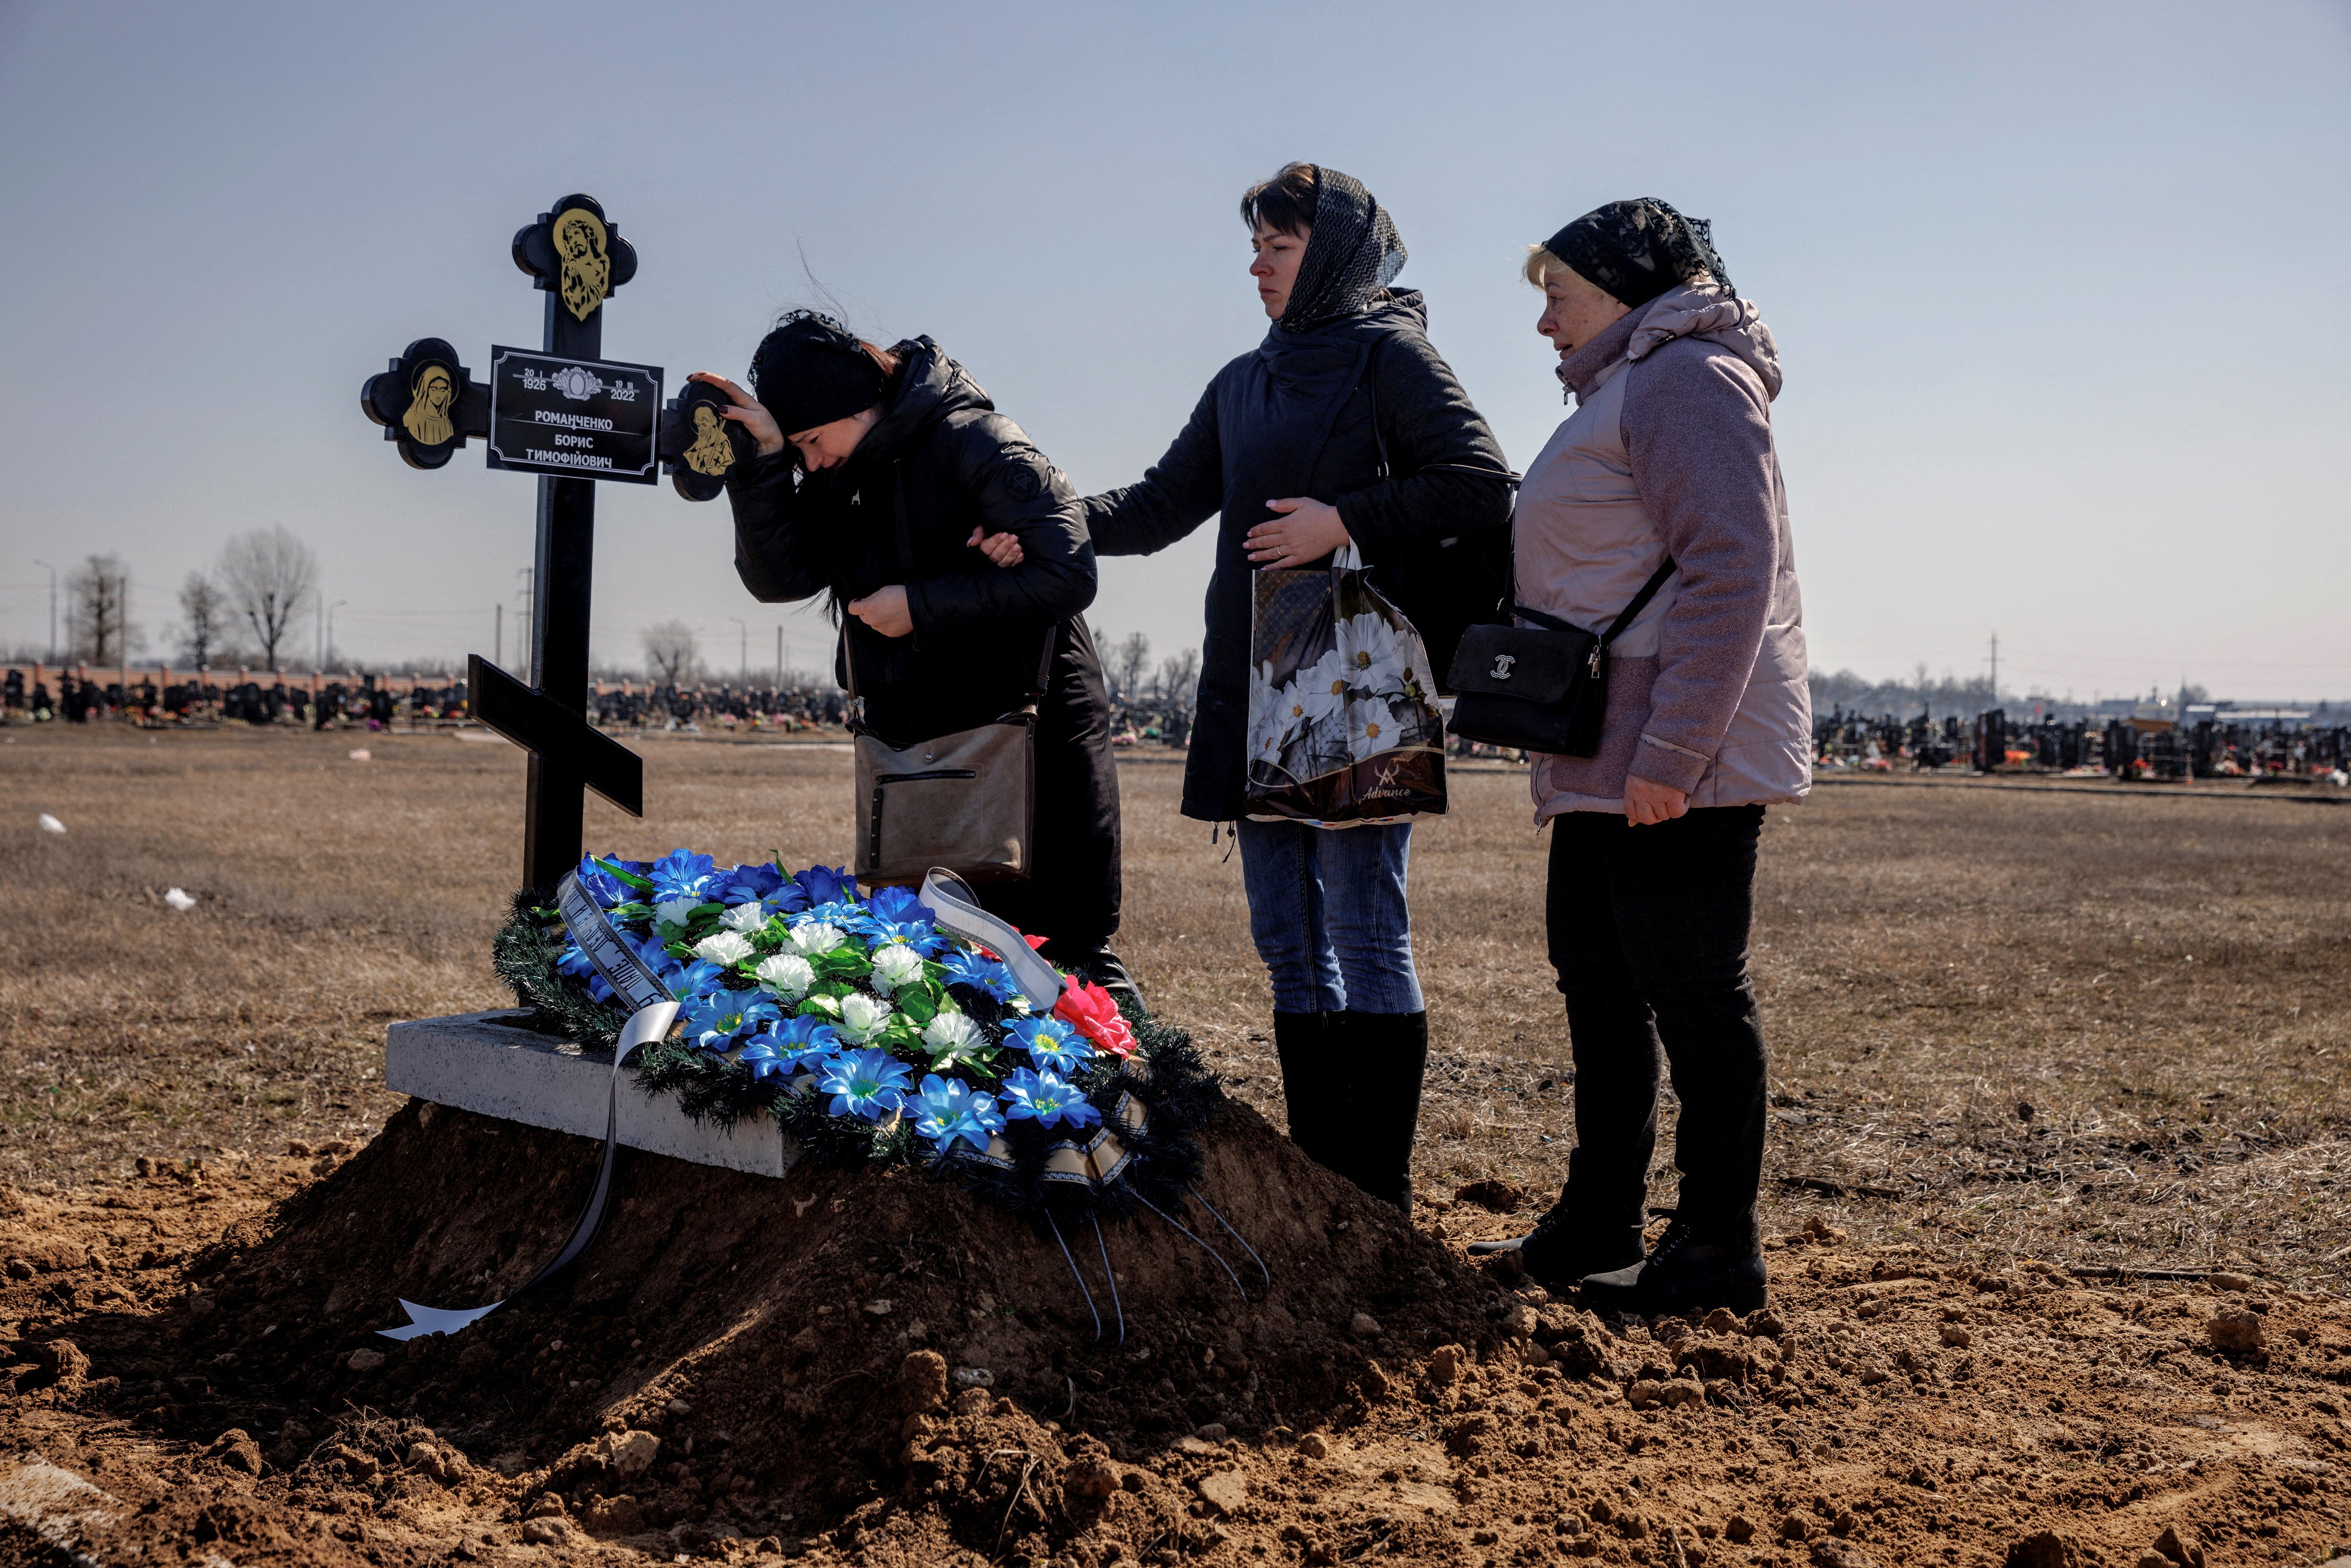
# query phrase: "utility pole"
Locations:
[[498, 633], [526, 646], [1995, 669], [780, 656], [53, 610]]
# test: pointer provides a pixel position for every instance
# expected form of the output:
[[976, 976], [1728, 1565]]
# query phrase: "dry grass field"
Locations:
[[2019, 1039], [2161, 982]]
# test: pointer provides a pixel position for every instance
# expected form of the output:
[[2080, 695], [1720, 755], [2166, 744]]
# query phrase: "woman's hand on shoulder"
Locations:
[[1003, 549], [885, 609], [746, 412], [1310, 531]]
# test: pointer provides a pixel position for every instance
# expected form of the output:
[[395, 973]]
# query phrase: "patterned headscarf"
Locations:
[[1638, 250], [1354, 250]]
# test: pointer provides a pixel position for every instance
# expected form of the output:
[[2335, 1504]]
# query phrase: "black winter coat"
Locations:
[[939, 463], [1295, 417]]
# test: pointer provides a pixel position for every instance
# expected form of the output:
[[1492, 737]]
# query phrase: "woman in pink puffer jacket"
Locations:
[[1667, 458]]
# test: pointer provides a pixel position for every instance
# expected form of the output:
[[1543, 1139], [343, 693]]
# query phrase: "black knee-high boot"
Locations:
[[1311, 1084], [1386, 1055]]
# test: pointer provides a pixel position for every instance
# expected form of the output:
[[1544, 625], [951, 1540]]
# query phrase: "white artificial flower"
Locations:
[[746, 917], [1371, 728], [787, 977], [178, 898], [952, 1037], [724, 948], [816, 936], [863, 1017], [676, 911], [950, 1029], [895, 964]]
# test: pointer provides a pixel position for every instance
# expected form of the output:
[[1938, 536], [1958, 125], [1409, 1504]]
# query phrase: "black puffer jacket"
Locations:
[[980, 630], [957, 463], [1294, 417]]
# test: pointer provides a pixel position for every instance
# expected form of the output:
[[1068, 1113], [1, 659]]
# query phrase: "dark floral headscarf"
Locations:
[[1353, 251], [1638, 250]]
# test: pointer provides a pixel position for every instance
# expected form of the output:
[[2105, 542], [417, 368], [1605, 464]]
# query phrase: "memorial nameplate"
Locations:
[[579, 418]]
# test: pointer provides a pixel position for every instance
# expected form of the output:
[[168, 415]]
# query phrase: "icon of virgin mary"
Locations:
[[430, 395], [711, 453], [587, 266]]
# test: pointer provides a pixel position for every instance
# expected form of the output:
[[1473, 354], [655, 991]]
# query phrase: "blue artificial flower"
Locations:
[[919, 934], [682, 873], [827, 884], [894, 903], [690, 983], [602, 886], [845, 913], [748, 882], [868, 1083], [947, 1110], [1046, 1099], [964, 967], [764, 1058], [716, 1021], [805, 1041], [571, 961], [1050, 1043]]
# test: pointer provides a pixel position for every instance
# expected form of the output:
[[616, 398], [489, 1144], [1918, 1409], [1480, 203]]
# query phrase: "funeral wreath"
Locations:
[[870, 1034]]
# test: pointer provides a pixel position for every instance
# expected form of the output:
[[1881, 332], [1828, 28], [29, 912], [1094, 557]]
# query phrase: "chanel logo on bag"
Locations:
[[1502, 663]]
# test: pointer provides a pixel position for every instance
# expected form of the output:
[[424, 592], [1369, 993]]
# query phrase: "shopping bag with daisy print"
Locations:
[[1344, 725]]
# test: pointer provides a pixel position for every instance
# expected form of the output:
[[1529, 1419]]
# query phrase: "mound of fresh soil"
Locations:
[[762, 1329], [742, 1368]]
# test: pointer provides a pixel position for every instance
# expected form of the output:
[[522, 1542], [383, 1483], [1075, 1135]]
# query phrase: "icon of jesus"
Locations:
[[587, 270]]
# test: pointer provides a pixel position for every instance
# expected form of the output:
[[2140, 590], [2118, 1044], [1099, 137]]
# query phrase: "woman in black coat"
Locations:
[[878, 471], [1344, 424]]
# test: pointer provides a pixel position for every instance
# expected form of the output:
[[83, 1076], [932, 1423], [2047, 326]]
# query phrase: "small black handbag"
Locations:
[[1543, 687]]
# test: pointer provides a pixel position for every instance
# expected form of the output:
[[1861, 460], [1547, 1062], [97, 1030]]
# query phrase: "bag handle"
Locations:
[[1624, 617]]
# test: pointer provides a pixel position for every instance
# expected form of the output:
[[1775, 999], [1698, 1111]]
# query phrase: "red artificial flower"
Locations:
[[1088, 1008]]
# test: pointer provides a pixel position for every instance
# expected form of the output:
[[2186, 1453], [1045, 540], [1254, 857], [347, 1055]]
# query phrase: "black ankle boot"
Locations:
[[1683, 1276], [1311, 1082], [1564, 1246], [1386, 1055]]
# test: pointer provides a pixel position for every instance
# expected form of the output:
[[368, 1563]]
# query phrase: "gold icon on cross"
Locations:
[[431, 392], [587, 262], [711, 453]]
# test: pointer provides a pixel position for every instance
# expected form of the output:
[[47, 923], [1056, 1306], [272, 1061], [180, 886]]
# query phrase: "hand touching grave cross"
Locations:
[[571, 417]]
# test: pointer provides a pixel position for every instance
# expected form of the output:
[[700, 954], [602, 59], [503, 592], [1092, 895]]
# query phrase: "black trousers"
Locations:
[[1072, 897], [1648, 929]]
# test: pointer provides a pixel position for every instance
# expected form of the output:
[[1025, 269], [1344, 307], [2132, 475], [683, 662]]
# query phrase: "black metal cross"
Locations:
[[570, 417]]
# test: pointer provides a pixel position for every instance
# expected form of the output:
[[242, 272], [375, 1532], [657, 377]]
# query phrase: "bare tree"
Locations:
[[97, 610], [1133, 657], [205, 621], [269, 577], [671, 656], [1179, 675]]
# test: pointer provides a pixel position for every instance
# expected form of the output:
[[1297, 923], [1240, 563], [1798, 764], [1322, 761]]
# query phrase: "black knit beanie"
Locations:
[[812, 371], [1638, 250]]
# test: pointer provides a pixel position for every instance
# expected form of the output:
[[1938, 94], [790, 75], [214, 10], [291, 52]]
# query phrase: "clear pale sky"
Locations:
[[2051, 284]]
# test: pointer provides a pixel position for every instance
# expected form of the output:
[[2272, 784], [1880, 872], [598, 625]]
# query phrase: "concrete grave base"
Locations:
[[496, 1065]]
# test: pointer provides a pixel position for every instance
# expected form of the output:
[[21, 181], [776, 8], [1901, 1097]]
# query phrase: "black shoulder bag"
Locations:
[[1543, 687]]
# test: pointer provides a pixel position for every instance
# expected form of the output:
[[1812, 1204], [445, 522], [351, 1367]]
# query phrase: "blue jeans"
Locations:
[[1327, 911]]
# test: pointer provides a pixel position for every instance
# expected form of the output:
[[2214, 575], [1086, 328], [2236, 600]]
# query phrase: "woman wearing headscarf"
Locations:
[[1667, 468], [878, 471], [1286, 444]]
